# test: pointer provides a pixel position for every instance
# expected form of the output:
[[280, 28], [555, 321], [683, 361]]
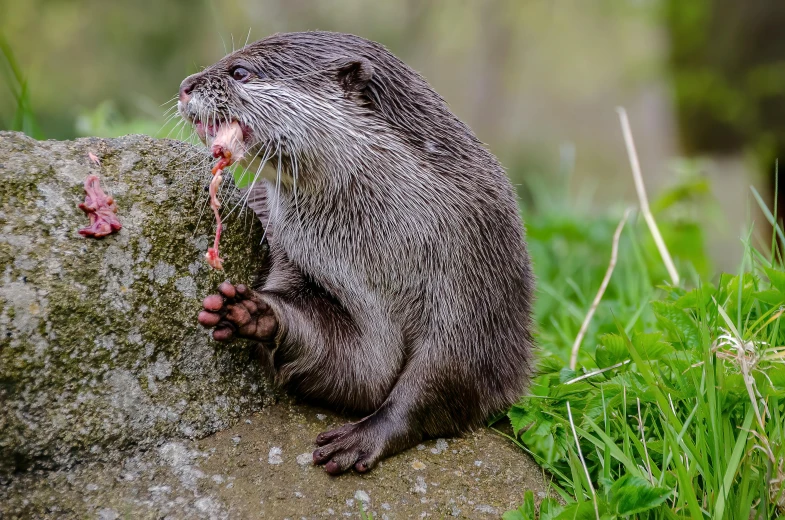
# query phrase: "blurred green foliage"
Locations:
[[106, 120], [727, 61], [23, 119]]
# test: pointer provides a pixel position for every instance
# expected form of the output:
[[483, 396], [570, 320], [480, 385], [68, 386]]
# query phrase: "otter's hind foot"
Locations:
[[238, 312], [360, 445]]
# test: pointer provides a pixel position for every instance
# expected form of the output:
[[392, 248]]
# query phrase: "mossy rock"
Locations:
[[99, 345]]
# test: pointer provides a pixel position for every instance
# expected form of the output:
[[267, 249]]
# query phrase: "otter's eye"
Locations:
[[240, 74]]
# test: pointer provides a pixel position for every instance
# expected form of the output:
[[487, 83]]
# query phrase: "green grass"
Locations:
[[678, 399]]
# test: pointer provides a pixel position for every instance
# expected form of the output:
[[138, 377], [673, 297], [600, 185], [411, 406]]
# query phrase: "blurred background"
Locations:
[[538, 80]]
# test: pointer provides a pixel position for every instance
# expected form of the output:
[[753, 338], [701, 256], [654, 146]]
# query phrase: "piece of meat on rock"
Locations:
[[100, 208]]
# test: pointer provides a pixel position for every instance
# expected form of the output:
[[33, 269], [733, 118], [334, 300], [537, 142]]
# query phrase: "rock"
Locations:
[[213, 478], [99, 345], [111, 394], [441, 445]]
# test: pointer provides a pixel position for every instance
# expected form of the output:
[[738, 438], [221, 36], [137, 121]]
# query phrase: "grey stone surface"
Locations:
[[99, 346], [219, 478]]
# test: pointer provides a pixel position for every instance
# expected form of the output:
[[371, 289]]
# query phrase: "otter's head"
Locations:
[[292, 94], [316, 97]]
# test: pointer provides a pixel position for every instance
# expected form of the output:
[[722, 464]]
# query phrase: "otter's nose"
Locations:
[[186, 87]]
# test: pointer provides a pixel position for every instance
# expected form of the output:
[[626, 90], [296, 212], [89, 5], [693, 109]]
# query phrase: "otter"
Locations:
[[397, 284]]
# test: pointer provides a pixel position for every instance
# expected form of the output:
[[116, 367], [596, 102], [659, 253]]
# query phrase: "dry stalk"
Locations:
[[598, 297], [644, 201]]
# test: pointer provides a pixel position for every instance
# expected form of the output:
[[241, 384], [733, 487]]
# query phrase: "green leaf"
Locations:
[[733, 384], [612, 350], [678, 323], [685, 240], [777, 378], [566, 374], [651, 345], [604, 441], [550, 509], [733, 464], [632, 494], [771, 296], [525, 511], [514, 514], [697, 298], [576, 391], [776, 277], [731, 290], [549, 365], [583, 511], [546, 437], [520, 418], [767, 213], [686, 191]]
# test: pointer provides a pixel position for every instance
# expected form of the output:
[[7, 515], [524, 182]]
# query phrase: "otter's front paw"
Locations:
[[238, 312]]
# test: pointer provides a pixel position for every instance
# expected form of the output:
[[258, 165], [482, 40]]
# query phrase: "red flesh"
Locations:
[[212, 256], [100, 208], [227, 143]]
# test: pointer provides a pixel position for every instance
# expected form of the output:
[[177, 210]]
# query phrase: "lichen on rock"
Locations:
[[99, 345]]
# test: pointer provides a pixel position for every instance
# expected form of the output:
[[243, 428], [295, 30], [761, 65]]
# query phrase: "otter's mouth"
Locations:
[[232, 139], [208, 131]]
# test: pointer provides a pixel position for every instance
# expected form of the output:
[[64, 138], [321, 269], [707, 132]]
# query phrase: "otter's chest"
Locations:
[[360, 242]]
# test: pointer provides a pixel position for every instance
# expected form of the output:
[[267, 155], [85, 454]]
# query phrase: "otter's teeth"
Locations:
[[228, 141]]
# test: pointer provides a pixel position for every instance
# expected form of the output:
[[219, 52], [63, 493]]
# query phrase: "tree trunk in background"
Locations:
[[728, 61]]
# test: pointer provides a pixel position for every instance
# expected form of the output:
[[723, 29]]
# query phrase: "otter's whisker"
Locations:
[[295, 173], [181, 123], [169, 118], [187, 156], [244, 198], [278, 181], [277, 192], [179, 126], [243, 202], [171, 108], [223, 42], [201, 213]]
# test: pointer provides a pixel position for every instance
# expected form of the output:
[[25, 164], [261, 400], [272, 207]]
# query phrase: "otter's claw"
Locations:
[[357, 445]]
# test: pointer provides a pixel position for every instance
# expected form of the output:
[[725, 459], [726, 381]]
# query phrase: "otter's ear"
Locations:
[[354, 74]]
